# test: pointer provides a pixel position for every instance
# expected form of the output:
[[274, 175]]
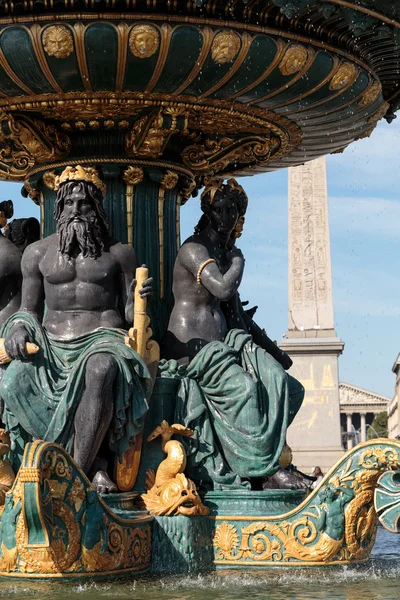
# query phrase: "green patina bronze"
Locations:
[[239, 401], [41, 396]]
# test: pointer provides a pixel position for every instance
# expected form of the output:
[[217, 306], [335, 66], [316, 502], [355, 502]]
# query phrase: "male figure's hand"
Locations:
[[146, 290], [15, 342]]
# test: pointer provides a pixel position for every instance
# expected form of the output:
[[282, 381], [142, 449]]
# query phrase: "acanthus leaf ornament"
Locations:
[[227, 153], [25, 142]]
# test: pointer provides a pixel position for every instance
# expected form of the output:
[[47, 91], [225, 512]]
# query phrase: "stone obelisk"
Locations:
[[311, 340]]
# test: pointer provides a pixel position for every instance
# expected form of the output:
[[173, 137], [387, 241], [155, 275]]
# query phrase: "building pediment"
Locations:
[[350, 395]]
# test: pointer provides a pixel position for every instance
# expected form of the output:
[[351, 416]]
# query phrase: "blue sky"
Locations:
[[364, 208]]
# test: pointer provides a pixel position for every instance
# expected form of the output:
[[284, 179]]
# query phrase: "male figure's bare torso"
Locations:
[[82, 293]]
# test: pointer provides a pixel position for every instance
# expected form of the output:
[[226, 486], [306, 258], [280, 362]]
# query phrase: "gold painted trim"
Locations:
[[189, 20], [71, 575], [41, 215], [299, 508], [160, 213], [246, 41], [165, 30], [123, 34], [335, 67], [45, 448], [208, 36], [130, 191], [122, 161], [35, 33], [367, 11], [280, 50], [79, 31], [178, 220], [297, 116], [310, 59], [4, 64], [293, 563]]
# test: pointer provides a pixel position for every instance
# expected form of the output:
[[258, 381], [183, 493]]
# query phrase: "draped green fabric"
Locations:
[[239, 401], [41, 395]]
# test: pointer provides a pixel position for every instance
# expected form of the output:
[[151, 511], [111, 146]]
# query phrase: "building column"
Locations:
[[363, 427], [349, 430]]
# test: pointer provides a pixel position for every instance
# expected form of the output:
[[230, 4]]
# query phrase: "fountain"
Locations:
[[159, 96]]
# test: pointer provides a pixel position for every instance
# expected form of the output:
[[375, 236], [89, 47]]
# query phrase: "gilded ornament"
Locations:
[[75, 532], [381, 112], [6, 472], [133, 175], [345, 75], [144, 41], [28, 142], [33, 193], [57, 41], [109, 123], [371, 95], [225, 47], [80, 173], [220, 155], [169, 492], [293, 60], [169, 180], [123, 124], [94, 124], [49, 179]]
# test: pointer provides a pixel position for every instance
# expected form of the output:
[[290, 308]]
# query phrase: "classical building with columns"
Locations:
[[358, 408], [393, 408]]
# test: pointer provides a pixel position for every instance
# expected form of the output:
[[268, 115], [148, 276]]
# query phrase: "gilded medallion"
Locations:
[[371, 94], [144, 41], [57, 41], [225, 47], [346, 74], [293, 60]]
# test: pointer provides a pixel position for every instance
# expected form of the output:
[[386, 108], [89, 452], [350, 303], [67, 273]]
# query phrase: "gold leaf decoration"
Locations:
[[57, 41], [226, 539], [371, 95], [225, 47], [293, 60], [144, 41], [346, 74]]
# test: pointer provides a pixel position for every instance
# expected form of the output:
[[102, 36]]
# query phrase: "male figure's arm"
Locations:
[[32, 300]]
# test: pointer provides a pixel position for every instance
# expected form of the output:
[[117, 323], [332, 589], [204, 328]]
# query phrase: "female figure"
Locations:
[[233, 393]]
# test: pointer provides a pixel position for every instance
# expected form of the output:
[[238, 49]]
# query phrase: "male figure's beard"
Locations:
[[84, 233]]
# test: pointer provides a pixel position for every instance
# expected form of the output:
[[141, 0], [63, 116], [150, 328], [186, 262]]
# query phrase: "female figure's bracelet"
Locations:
[[201, 267]]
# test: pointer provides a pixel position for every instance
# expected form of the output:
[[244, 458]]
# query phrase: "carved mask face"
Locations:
[[223, 214], [176, 497]]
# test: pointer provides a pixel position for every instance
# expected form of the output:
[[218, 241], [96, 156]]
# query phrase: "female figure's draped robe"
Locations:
[[240, 402]]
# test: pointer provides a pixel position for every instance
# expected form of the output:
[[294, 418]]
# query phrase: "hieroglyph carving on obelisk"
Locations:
[[310, 278]]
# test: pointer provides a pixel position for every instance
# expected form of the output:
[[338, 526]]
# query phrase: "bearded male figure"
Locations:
[[84, 382]]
